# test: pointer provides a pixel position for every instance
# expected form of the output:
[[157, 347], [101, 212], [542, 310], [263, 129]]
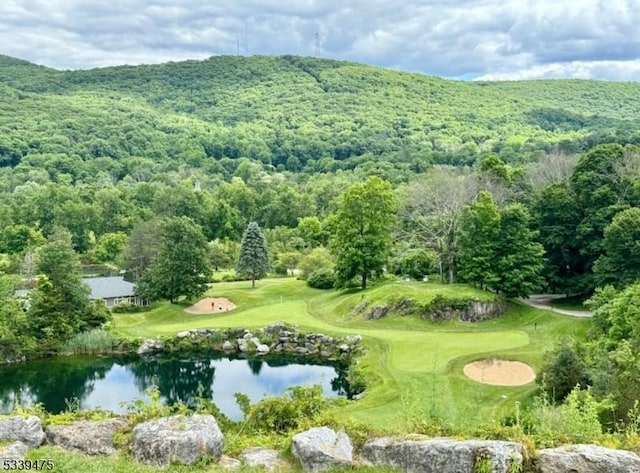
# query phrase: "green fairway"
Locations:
[[413, 366]]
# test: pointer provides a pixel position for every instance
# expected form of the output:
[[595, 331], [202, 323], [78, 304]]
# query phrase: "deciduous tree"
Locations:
[[362, 230]]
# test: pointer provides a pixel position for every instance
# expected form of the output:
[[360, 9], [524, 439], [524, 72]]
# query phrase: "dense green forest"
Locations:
[[298, 114], [345, 174]]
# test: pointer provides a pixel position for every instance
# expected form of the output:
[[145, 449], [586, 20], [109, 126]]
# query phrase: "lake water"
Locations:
[[107, 382]]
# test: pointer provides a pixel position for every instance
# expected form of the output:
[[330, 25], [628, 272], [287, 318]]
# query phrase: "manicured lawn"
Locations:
[[414, 367]]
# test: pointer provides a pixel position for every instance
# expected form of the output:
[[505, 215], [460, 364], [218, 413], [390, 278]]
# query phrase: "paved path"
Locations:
[[543, 301]]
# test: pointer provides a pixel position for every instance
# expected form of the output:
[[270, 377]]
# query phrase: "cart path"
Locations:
[[543, 301]]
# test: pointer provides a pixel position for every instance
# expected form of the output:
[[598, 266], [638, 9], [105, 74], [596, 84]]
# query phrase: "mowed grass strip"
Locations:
[[413, 366]]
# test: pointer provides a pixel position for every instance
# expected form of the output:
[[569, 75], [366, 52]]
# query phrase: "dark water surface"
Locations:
[[89, 381]]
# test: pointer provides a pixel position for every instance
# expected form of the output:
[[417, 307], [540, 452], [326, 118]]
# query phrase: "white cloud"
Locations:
[[447, 38]]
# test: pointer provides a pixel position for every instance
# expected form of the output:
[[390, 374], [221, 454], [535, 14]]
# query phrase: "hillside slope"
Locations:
[[301, 113]]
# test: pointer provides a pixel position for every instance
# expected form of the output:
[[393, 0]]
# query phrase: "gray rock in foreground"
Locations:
[[229, 463], [587, 459], [28, 431], [262, 457], [15, 451], [441, 455], [321, 448], [177, 439], [86, 436]]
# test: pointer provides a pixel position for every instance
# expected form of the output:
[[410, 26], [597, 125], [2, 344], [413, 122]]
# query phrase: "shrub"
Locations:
[[125, 307], [563, 370], [285, 413], [322, 279]]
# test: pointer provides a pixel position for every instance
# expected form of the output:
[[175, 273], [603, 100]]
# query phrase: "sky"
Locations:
[[461, 39]]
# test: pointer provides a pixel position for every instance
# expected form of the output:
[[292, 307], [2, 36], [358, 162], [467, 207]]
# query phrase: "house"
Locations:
[[113, 290]]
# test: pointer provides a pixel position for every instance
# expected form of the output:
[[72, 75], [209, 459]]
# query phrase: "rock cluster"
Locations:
[[275, 338]]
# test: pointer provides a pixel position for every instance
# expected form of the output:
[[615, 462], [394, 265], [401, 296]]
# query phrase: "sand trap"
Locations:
[[500, 372], [211, 305]]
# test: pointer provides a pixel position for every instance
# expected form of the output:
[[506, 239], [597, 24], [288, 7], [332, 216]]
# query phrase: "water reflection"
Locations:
[[108, 381]]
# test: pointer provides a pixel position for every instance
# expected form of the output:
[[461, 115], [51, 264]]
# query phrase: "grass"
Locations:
[[413, 366]]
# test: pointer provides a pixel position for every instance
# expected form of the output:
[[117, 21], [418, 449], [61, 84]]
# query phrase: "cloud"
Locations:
[[462, 38]]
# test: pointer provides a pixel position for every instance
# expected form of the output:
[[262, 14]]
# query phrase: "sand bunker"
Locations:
[[211, 305], [500, 372]]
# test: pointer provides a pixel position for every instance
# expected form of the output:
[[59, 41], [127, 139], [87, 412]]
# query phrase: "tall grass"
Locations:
[[93, 341]]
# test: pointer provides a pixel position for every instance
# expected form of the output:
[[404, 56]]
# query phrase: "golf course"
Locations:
[[413, 368]]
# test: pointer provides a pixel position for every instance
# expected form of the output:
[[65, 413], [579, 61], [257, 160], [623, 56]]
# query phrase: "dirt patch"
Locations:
[[211, 305], [500, 372]]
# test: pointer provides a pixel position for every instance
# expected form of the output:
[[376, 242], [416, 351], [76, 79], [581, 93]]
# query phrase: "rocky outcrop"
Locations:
[[261, 457], [322, 448], [14, 451], [151, 346], [86, 436], [177, 439], [28, 431], [439, 309], [442, 455], [587, 459]]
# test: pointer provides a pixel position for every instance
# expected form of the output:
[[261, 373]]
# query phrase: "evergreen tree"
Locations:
[[181, 267], [362, 230], [254, 257]]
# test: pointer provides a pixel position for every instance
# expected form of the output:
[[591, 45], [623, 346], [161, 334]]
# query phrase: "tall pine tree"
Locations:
[[254, 257]]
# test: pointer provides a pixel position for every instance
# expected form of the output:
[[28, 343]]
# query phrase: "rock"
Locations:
[[177, 439], [183, 334], [357, 397], [353, 339], [28, 431], [321, 448], [264, 457], [587, 459], [301, 350], [86, 436], [229, 463], [377, 312], [262, 349], [248, 335], [441, 455], [344, 348], [360, 307], [227, 346], [151, 346], [15, 451]]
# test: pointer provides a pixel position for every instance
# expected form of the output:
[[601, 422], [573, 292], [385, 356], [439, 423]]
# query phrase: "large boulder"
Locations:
[[86, 436], [442, 455], [177, 439], [151, 346], [322, 448], [15, 451], [28, 431], [261, 457], [587, 459]]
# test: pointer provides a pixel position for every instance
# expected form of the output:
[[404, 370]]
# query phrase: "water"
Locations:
[[106, 382]]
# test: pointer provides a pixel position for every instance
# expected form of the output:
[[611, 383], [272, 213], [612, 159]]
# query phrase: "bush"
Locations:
[[322, 279], [563, 370], [125, 307], [415, 263]]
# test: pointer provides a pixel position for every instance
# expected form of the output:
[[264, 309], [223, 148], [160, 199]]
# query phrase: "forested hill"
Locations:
[[301, 114]]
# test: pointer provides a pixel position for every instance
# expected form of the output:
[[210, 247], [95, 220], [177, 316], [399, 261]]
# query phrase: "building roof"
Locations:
[[108, 287]]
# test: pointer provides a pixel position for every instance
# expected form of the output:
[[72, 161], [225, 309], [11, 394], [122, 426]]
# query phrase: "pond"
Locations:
[[88, 382]]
